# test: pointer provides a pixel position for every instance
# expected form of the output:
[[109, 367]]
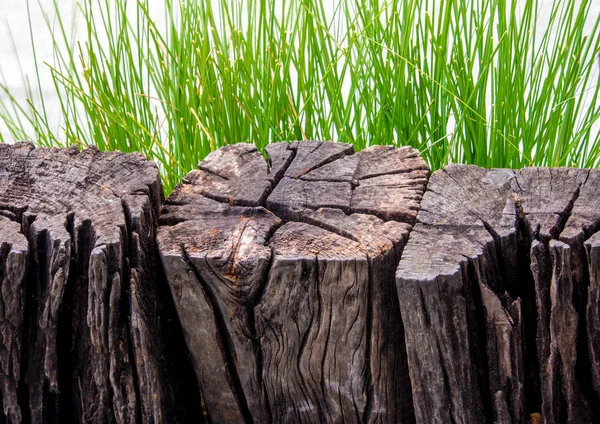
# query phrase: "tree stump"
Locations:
[[282, 272], [88, 332], [499, 294], [318, 285]]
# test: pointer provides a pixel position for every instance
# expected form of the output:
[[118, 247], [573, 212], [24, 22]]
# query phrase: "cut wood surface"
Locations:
[[87, 330], [498, 288], [318, 285], [282, 272]]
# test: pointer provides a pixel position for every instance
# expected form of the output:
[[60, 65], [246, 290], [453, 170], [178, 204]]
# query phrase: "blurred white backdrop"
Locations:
[[16, 53]]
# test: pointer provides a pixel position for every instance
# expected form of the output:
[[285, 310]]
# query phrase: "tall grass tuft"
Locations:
[[467, 81]]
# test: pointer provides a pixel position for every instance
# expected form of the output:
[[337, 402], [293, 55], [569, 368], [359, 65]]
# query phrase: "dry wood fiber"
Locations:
[[87, 329], [499, 296], [282, 271]]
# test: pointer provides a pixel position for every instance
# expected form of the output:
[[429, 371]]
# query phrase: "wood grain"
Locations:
[[85, 329], [314, 285], [497, 313], [288, 300]]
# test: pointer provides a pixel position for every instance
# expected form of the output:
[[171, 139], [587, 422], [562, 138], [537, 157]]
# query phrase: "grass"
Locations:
[[465, 81]]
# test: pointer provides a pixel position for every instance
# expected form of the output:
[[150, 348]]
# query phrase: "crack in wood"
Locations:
[[489, 311], [325, 390], [226, 342], [69, 204], [548, 204], [129, 264]]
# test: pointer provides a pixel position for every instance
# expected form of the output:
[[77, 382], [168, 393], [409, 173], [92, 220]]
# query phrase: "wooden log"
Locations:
[[282, 273], [318, 285], [498, 293], [88, 332]]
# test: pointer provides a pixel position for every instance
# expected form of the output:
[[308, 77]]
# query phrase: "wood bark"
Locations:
[[87, 331], [498, 292], [316, 285], [282, 271]]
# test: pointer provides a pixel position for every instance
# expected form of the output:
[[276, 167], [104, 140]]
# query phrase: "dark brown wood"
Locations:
[[14, 252], [88, 333], [499, 296], [282, 273], [316, 285]]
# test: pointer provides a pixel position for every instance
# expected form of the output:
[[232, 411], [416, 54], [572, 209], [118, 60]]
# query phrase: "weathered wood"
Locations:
[[318, 285], [87, 330], [284, 280], [498, 297], [13, 257]]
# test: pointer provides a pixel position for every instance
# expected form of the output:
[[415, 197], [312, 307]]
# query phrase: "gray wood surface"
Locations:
[[314, 285], [86, 330], [499, 298], [283, 277]]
